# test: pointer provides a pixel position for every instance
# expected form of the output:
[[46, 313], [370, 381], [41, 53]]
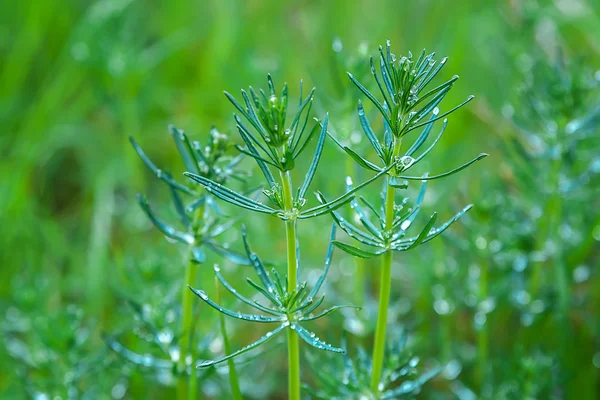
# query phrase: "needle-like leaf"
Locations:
[[451, 172], [270, 335], [355, 251], [238, 315], [315, 162], [314, 341], [169, 231]]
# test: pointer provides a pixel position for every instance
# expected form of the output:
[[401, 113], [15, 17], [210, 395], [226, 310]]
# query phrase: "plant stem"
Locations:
[[236, 394], [385, 284], [186, 333], [185, 389], [290, 235]]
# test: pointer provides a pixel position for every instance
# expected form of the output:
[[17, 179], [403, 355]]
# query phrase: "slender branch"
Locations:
[[384, 290], [292, 262], [188, 389]]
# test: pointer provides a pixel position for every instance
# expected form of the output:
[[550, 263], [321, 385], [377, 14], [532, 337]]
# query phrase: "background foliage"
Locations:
[[76, 251]]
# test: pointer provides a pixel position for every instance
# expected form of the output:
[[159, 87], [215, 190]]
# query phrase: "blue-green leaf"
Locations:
[[361, 161], [243, 299], [238, 315], [448, 173], [138, 359], [230, 196], [230, 255], [326, 312], [259, 160], [315, 162], [413, 127], [377, 104], [159, 173], [270, 335], [328, 258], [384, 93], [369, 132], [185, 149], [179, 207], [169, 231], [258, 265], [437, 231], [311, 339], [424, 232], [357, 252], [345, 198], [422, 137]]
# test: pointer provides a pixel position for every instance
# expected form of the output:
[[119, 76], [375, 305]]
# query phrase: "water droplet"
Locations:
[[537, 306], [406, 161], [522, 297], [165, 336], [202, 295], [118, 391], [520, 263], [495, 246], [480, 319], [526, 319], [441, 306], [487, 305], [481, 243], [355, 137], [581, 273]]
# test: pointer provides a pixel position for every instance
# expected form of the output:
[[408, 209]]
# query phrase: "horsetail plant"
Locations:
[[277, 145], [201, 220], [406, 106]]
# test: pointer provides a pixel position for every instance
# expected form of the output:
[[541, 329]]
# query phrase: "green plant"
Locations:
[[400, 379], [201, 220], [405, 104], [276, 146]]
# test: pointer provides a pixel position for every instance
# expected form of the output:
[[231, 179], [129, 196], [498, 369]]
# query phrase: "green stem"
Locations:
[[290, 235], [385, 285], [186, 333], [185, 389], [234, 382]]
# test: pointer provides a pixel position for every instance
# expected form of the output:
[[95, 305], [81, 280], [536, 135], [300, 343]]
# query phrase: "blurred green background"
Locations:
[[77, 78]]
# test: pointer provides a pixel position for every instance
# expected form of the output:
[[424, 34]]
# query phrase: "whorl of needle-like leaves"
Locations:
[[377, 237], [289, 306], [405, 107], [400, 377], [277, 148], [276, 144], [198, 231]]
